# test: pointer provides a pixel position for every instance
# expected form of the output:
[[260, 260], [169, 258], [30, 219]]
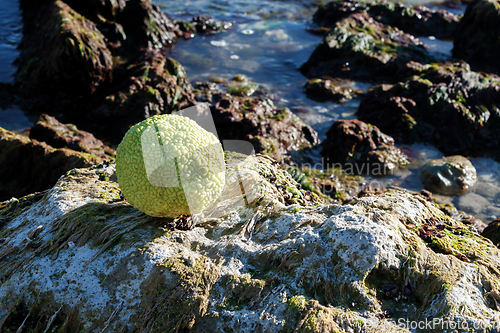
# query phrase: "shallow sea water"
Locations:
[[268, 43]]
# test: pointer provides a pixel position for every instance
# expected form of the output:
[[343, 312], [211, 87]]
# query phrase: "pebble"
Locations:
[[472, 203]]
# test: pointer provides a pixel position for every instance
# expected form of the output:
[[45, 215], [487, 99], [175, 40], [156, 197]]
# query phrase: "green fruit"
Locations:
[[168, 165]]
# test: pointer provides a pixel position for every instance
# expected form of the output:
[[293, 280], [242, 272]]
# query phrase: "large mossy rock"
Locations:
[[448, 105], [361, 48], [476, 39], [80, 259], [97, 63], [151, 85], [63, 55]]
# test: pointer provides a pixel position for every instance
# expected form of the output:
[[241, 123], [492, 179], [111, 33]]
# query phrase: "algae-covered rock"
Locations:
[[451, 175], [152, 85], [416, 20], [81, 259], [476, 39], [361, 148], [28, 166], [272, 131], [361, 48], [63, 54], [49, 130], [330, 90], [204, 25], [448, 105]]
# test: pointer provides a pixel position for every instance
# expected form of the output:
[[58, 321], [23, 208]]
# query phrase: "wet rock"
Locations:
[[330, 90], [204, 25], [28, 166], [492, 232], [361, 149], [274, 132], [416, 20], [476, 39], [361, 48], [49, 130], [451, 175], [98, 63], [131, 24], [447, 105], [244, 265], [152, 85], [72, 61]]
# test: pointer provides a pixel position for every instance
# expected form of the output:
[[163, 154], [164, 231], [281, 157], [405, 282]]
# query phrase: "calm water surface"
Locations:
[[267, 43]]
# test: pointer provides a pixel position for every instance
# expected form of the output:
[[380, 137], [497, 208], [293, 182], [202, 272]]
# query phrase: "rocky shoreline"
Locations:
[[307, 250]]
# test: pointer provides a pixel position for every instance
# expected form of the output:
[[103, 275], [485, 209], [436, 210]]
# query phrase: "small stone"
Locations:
[[472, 203], [452, 175]]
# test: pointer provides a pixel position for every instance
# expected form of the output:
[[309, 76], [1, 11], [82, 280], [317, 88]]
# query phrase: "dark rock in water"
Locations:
[[204, 25], [65, 57], [361, 48], [28, 166], [96, 63], [492, 232], [152, 85], [134, 24], [330, 90], [451, 175], [476, 39], [274, 132], [49, 130], [415, 20], [361, 149], [447, 105]]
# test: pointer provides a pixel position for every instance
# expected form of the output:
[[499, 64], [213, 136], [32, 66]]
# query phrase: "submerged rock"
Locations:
[[361, 149], [330, 90], [49, 130], [447, 105], [28, 166], [81, 259], [451, 175], [476, 39], [361, 48]]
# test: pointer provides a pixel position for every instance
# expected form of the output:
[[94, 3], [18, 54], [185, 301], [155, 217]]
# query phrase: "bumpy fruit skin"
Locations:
[[168, 165]]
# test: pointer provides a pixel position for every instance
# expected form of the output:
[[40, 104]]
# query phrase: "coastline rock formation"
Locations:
[[79, 258]]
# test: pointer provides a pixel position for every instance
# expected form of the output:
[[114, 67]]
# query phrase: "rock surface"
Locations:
[[451, 175], [476, 39], [415, 20], [330, 90], [361, 149], [49, 130], [28, 166], [361, 48], [97, 62], [492, 232], [81, 259], [272, 131], [447, 105]]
